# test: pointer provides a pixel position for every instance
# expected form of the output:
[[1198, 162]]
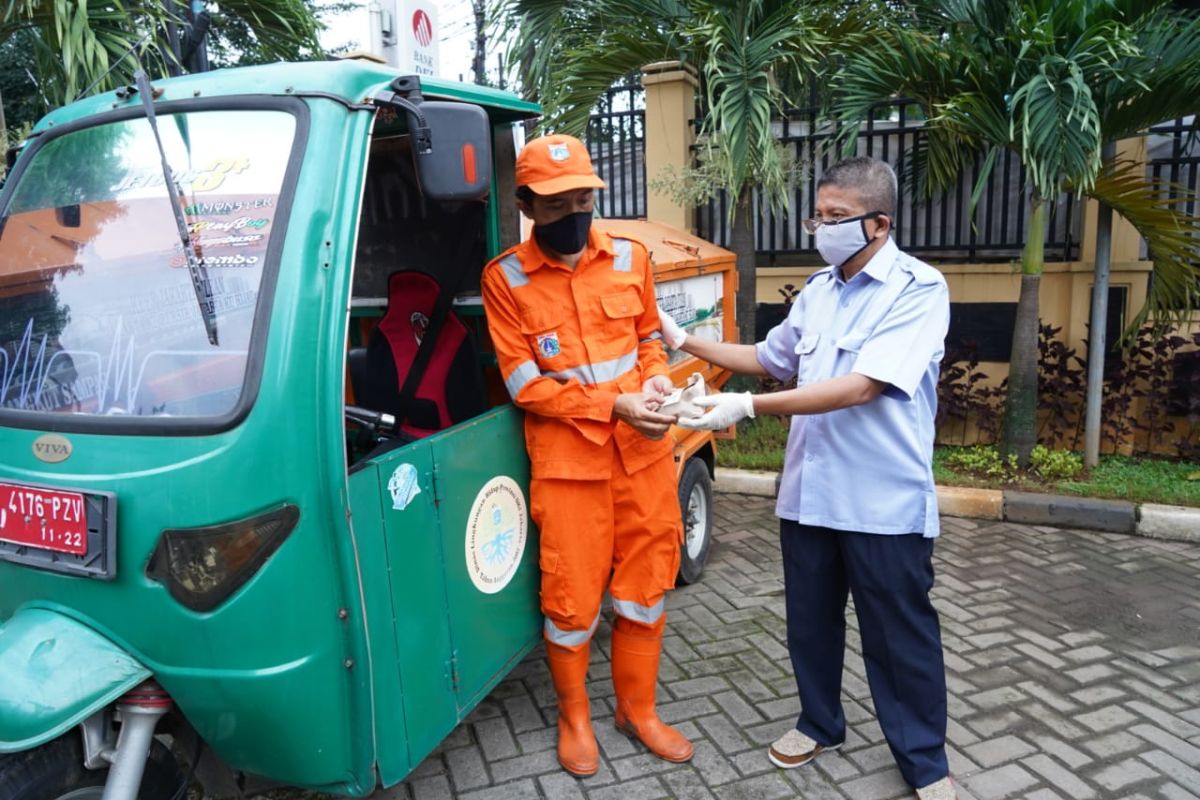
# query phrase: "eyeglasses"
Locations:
[[812, 224]]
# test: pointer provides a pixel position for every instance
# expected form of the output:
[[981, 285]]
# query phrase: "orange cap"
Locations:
[[556, 163]]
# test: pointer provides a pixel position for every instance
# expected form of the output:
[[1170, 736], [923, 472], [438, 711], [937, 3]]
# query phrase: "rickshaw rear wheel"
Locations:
[[55, 771], [696, 505]]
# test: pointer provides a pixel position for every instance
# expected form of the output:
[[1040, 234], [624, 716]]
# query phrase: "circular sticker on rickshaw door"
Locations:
[[497, 528]]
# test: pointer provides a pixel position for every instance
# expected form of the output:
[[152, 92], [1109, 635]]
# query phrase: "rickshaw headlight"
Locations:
[[202, 567]]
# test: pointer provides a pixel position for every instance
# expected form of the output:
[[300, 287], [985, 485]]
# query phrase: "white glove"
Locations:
[[673, 335], [725, 409]]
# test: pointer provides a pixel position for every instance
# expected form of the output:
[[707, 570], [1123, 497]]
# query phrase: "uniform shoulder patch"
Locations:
[[820, 275], [633, 240], [500, 257], [922, 273]]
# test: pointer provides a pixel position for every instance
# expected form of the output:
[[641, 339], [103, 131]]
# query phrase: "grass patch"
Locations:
[[759, 445], [761, 442]]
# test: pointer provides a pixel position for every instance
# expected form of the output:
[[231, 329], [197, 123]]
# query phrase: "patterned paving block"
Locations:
[[1072, 657]]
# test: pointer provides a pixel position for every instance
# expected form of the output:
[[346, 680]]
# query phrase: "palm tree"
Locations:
[[99, 43], [1053, 81], [749, 54]]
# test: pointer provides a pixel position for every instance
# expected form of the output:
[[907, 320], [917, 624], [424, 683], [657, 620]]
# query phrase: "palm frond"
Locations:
[[1160, 211], [99, 43], [1059, 127], [1160, 81]]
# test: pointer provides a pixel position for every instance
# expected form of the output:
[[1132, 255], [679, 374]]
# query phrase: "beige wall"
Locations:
[[670, 134], [1065, 299]]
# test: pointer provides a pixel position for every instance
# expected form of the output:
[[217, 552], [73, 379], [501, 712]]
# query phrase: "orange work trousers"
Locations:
[[622, 534]]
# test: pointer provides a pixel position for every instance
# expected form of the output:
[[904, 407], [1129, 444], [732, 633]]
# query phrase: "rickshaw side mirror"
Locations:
[[452, 143], [458, 162]]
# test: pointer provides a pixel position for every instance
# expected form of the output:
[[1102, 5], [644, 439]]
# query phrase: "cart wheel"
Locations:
[[695, 501], [55, 771]]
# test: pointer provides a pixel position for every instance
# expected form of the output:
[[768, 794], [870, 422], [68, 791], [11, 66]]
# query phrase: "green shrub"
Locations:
[[983, 460], [1055, 465]]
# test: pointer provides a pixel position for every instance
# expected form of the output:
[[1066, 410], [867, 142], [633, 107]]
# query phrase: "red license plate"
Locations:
[[44, 518]]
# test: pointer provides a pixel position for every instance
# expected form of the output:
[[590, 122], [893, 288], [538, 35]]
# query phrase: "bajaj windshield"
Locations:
[[101, 311]]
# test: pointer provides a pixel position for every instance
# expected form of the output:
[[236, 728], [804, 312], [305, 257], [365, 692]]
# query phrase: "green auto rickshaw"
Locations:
[[250, 504]]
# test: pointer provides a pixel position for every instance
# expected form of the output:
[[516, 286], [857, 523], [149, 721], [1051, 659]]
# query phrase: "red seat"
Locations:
[[450, 391]]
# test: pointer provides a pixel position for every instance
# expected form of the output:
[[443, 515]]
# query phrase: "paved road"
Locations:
[[1073, 662]]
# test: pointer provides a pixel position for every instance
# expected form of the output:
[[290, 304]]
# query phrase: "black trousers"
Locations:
[[890, 578]]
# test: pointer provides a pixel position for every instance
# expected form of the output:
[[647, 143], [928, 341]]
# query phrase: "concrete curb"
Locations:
[[1176, 523], [1179, 523], [1031, 508], [744, 481]]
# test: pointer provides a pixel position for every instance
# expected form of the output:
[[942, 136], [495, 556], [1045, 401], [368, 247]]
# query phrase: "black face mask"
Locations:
[[565, 236]]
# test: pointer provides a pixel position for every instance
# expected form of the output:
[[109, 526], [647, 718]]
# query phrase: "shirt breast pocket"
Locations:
[[848, 348], [621, 312], [542, 326], [807, 351]]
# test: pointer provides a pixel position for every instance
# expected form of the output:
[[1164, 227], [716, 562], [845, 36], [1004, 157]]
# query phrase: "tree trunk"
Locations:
[[741, 241], [3, 141], [1020, 408], [1098, 327]]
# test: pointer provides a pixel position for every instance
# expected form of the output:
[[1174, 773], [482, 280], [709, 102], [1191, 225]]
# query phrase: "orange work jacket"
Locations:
[[568, 341]]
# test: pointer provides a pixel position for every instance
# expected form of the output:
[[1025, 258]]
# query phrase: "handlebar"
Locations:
[[373, 420]]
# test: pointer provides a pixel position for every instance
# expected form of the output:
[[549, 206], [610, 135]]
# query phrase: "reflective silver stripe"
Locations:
[[514, 271], [558, 636], [624, 255], [523, 374], [647, 615], [591, 374], [652, 337]]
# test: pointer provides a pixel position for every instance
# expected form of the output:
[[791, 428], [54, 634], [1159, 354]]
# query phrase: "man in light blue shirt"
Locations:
[[857, 506]]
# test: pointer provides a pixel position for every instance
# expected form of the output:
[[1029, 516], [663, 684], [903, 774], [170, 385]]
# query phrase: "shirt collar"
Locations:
[[880, 264], [598, 243]]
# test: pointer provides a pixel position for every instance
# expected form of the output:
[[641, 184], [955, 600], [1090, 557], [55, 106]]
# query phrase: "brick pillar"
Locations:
[[670, 108]]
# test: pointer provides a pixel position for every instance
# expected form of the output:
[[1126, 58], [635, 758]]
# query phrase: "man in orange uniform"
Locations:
[[572, 315]]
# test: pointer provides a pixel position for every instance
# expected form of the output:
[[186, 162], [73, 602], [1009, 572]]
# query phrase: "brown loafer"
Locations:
[[794, 749]]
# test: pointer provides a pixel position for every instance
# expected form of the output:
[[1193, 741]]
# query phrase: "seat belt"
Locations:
[[437, 317]]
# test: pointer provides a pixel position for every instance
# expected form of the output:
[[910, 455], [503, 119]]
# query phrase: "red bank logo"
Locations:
[[422, 27]]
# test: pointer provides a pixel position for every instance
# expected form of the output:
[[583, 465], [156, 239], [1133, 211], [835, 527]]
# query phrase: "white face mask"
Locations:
[[841, 242]]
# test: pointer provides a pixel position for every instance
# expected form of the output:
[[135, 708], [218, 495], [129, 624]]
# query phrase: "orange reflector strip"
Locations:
[[469, 173]]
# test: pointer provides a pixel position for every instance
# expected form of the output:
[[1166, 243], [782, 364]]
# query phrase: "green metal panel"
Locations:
[[352, 81], [280, 679], [491, 630], [276, 679], [367, 514], [416, 562], [56, 674]]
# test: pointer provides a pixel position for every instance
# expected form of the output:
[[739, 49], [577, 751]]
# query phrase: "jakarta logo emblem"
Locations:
[[559, 152], [497, 529], [547, 344]]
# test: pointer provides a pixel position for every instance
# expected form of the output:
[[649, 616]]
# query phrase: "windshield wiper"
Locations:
[[196, 270]]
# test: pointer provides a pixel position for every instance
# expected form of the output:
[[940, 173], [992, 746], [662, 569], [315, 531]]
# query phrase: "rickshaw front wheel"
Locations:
[[696, 505], [55, 771]]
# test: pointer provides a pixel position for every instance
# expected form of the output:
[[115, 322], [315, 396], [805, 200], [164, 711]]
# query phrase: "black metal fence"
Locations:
[[940, 228], [616, 137], [1173, 154]]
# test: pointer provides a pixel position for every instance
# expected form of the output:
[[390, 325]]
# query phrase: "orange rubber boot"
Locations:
[[577, 751], [635, 651]]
